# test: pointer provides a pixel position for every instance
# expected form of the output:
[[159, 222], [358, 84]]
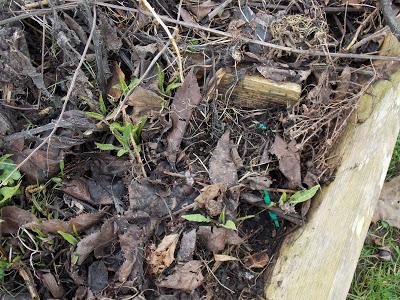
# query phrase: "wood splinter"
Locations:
[[255, 91]]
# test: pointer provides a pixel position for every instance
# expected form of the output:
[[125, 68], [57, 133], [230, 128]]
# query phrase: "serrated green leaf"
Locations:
[[171, 87], [68, 237], [94, 115], [107, 147], [121, 152], [303, 196], [229, 225], [102, 105], [197, 218]]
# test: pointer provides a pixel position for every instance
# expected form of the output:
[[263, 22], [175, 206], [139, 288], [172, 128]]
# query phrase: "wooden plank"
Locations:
[[253, 91], [318, 260]]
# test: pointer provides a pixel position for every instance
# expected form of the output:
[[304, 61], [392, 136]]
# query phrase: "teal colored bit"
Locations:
[[274, 217], [262, 126]]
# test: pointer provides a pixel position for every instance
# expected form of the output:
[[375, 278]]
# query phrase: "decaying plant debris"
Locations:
[[128, 171]]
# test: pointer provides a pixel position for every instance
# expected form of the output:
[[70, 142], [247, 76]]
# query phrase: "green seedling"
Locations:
[[68, 237], [161, 83], [199, 218], [303, 196], [11, 185]]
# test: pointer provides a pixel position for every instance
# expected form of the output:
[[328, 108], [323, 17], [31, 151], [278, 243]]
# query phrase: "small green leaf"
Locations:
[[282, 199], [121, 152], [197, 218], [161, 79], [95, 115], [103, 107], [62, 166], [171, 87], [68, 237], [221, 218], [134, 83], [9, 191], [229, 225], [56, 179], [245, 218], [303, 196], [74, 259], [107, 147]]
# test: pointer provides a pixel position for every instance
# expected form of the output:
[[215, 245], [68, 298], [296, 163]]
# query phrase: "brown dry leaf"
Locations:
[[50, 282], [211, 198], [215, 238], [113, 88], [78, 189], [186, 98], [144, 102], [203, 9], [187, 17], [258, 183], [344, 82], [187, 247], [289, 160], [94, 241], [222, 168], [223, 257], [42, 165], [185, 277], [131, 244], [257, 260], [12, 218], [78, 223], [162, 257], [388, 207]]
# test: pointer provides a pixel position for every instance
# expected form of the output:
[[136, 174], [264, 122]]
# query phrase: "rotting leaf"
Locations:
[[211, 198], [13, 218], [388, 206], [257, 260], [114, 89], [203, 9], [221, 167], [94, 241], [50, 282], [187, 246], [187, 97], [289, 160], [215, 238], [144, 102], [164, 255], [98, 276], [302, 196], [185, 277]]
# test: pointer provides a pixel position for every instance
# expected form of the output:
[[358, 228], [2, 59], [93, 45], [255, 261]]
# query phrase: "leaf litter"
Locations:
[[152, 186]]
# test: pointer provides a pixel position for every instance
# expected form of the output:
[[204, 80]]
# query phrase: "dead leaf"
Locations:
[[185, 277], [211, 198], [257, 260], [78, 223], [42, 165], [162, 257], [12, 218], [94, 241], [144, 102], [221, 167], [187, 17], [78, 189], [203, 9], [109, 34], [344, 82], [97, 276], [388, 207], [131, 243], [215, 238], [186, 98], [50, 282], [258, 183], [113, 88], [223, 257], [187, 246], [289, 160]]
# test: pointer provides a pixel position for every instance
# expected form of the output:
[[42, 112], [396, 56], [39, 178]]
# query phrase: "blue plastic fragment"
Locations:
[[262, 126], [273, 216]]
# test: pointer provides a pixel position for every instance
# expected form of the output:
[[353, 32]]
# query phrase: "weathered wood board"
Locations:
[[318, 260]]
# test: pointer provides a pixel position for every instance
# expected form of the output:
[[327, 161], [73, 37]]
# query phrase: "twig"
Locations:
[[69, 92], [258, 42], [219, 9], [390, 17], [361, 27], [30, 284], [171, 38]]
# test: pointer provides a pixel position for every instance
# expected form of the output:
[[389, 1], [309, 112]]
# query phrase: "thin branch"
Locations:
[[69, 92]]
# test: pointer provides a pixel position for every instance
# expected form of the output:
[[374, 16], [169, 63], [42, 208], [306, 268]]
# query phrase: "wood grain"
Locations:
[[318, 260]]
